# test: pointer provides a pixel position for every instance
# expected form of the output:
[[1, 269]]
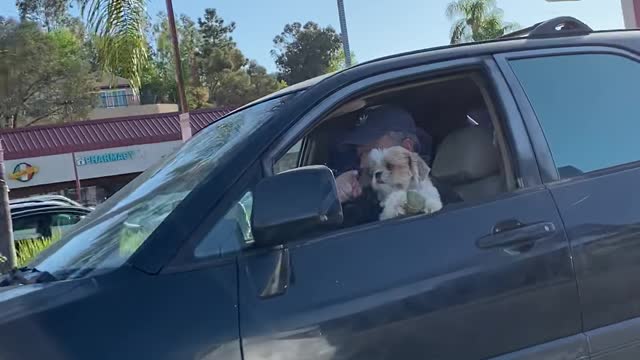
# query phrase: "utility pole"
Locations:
[[7, 249], [343, 34], [185, 123]]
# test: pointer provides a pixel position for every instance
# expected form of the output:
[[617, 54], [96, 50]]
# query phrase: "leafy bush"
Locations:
[[30, 248]]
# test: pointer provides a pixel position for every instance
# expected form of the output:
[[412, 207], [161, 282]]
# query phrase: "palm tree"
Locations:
[[477, 20], [119, 35]]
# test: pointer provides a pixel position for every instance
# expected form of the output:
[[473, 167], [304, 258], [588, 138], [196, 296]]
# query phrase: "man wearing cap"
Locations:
[[379, 127]]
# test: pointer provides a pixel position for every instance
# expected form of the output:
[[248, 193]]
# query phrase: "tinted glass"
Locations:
[[587, 106], [231, 233], [289, 160]]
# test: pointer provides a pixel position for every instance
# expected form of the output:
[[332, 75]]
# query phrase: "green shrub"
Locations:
[[30, 248]]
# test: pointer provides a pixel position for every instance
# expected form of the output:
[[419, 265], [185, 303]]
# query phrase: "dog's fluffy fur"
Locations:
[[394, 171]]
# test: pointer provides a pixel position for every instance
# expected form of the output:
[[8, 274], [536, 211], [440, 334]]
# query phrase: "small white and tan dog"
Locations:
[[394, 172]]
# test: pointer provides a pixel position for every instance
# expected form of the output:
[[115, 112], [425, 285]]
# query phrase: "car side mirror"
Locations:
[[294, 203]]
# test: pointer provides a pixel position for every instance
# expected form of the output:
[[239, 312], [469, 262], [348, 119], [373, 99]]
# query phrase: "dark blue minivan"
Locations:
[[237, 247]]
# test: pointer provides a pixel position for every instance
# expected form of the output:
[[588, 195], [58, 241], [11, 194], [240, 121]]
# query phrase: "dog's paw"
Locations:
[[432, 206], [394, 205], [390, 213]]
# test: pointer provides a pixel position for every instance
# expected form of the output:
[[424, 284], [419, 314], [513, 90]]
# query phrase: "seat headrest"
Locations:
[[466, 155]]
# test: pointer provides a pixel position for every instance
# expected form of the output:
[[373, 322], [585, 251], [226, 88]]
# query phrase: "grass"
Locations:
[[28, 249]]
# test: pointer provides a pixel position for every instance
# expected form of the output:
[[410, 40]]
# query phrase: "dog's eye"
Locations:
[[389, 167]]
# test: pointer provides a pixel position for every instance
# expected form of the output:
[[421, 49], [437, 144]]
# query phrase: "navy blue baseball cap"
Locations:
[[375, 122]]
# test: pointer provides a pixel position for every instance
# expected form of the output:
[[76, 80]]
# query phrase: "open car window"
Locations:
[[453, 123]]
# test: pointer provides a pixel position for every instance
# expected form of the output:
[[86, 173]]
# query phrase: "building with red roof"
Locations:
[[97, 156]]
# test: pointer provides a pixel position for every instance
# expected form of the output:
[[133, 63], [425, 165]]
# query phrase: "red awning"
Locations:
[[100, 134]]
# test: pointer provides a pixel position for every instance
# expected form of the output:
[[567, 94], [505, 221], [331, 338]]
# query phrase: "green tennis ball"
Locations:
[[416, 203]]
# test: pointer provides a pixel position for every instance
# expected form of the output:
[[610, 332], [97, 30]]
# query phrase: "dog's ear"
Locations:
[[418, 167]]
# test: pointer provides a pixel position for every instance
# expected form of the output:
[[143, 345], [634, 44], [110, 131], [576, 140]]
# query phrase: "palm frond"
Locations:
[[510, 26], [458, 31], [476, 20], [476, 13], [455, 9], [119, 27]]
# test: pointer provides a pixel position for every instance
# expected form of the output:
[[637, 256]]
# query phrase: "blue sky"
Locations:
[[376, 27]]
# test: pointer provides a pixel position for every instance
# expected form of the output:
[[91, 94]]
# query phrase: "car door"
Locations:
[[582, 107], [422, 287]]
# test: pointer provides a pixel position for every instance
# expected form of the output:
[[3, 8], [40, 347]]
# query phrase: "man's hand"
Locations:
[[348, 186]]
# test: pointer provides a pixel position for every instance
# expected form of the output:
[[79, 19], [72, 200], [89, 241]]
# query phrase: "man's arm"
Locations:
[[348, 186]]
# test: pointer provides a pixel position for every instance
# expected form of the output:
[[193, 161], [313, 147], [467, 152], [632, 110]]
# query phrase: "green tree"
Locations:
[[50, 14], [198, 97], [119, 29], [234, 80], [216, 72], [215, 33], [338, 62], [219, 68], [43, 76], [477, 20], [302, 52], [190, 43], [158, 77], [233, 88], [262, 83], [222, 63], [158, 81]]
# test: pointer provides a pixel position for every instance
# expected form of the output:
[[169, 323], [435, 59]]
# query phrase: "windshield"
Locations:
[[112, 233]]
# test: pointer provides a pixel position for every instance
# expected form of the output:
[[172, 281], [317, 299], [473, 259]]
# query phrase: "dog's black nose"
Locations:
[[378, 175]]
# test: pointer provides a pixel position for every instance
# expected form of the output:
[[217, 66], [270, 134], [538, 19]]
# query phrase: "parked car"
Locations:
[[48, 220], [25, 206], [38, 224], [212, 254], [45, 198]]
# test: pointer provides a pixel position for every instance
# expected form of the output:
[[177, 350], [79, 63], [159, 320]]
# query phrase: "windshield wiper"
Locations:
[[25, 276]]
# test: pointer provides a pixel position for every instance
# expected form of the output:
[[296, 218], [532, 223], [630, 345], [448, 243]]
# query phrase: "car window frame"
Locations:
[[299, 158], [519, 152], [544, 156], [514, 143], [177, 233], [185, 259]]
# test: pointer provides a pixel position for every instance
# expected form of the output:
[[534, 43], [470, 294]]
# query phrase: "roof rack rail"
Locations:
[[560, 26]]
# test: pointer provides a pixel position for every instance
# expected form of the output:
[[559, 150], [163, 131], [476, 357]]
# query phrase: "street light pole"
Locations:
[[343, 34], [185, 123], [7, 248]]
